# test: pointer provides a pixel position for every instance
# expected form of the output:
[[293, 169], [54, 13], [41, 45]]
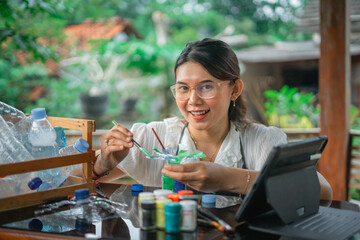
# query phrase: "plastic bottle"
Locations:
[[17, 121], [12, 149], [60, 137], [80, 146], [42, 138], [42, 135], [10, 114], [82, 207]]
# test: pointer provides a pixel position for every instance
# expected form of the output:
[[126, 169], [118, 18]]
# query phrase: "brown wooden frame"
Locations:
[[86, 159]]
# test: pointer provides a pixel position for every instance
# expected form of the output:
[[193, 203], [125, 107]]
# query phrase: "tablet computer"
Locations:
[[266, 193]]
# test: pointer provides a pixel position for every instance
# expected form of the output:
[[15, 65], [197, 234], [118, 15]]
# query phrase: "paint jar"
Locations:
[[160, 212], [174, 197], [136, 189], [147, 222], [208, 201], [188, 215], [161, 193], [172, 217], [144, 196]]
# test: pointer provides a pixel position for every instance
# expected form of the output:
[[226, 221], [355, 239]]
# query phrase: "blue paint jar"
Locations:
[[208, 201], [172, 217]]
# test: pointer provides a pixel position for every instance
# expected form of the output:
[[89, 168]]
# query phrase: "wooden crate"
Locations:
[[86, 159]]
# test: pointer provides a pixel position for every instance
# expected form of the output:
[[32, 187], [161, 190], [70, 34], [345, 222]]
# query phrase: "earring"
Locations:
[[234, 104]]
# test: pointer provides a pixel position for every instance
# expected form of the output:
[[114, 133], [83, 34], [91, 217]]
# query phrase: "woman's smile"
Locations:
[[199, 115]]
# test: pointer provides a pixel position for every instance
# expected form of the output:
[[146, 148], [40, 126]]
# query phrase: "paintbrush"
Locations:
[[212, 216], [135, 142], [158, 138], [211, 223]]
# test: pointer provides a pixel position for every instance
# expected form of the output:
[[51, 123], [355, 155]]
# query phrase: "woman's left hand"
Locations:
[[201, 176]]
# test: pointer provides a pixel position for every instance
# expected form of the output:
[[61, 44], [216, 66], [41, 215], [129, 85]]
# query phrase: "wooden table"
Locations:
[[122, 228]]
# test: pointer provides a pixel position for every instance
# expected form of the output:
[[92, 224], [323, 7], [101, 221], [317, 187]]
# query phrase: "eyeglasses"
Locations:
[[205, 90]]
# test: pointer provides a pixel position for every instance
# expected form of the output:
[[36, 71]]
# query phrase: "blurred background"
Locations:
[[110, 59]]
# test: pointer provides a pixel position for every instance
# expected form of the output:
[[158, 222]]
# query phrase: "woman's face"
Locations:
[[203, 114]]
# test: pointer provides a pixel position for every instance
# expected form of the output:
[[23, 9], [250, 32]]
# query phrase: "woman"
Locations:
[[208, 94]]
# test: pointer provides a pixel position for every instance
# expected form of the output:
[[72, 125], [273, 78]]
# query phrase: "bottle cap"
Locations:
[[178, 186], [38, 113], [208, 201], [146, 195], [148, 204], [81, 145], [137, 187], [162, 193], [172, 207], [35, 224], [188, 205], [174, 197], [35, 183], [82, 193], [185, 192], [81, 225]]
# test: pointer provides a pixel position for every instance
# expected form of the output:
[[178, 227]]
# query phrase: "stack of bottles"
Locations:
[[24, 138]]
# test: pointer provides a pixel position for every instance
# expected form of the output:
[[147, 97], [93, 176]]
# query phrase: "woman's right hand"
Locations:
[[115, 146]]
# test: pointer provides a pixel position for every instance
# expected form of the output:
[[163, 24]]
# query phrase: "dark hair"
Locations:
[[220, 61]]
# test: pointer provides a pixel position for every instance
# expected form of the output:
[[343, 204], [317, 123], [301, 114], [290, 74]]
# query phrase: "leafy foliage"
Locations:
[[289, 108]]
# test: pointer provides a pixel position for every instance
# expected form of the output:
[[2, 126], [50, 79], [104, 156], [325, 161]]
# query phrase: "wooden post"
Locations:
[[334, 85]]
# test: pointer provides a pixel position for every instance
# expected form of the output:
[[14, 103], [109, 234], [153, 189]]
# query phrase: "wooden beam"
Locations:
[[334, 85]]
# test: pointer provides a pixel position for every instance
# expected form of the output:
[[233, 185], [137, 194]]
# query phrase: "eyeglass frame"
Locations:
[[218, 85]]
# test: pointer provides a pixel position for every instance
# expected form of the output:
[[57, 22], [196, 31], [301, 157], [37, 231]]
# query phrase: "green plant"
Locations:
[[290, 108], [17, 82], [145, 74], [61, 100]]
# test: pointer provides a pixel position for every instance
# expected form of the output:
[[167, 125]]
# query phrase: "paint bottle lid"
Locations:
[[174, 197], [162, 193], [208, 201], [172, 207], [137, 187], [188, 205], [185, 192]]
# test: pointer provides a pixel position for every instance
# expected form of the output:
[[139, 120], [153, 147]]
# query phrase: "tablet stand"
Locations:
[[294, 194]]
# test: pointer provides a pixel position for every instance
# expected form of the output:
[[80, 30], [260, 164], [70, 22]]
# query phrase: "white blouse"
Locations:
[[257, 141]]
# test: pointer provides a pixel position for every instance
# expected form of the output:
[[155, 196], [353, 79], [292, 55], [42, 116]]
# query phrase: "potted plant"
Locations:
[[95, 73]]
